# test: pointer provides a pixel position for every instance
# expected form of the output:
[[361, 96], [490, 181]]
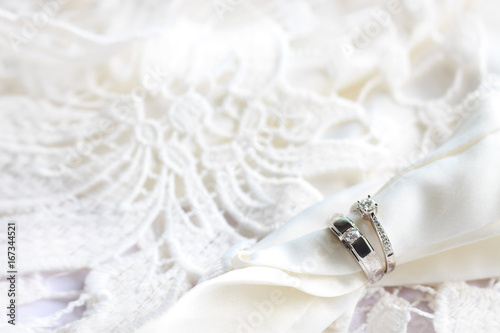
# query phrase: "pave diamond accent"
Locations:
[[383, 236], [367, 206], [351, 235]]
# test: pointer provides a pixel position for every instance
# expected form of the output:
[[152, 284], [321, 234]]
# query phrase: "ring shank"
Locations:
[[390, 259], [360, 247]]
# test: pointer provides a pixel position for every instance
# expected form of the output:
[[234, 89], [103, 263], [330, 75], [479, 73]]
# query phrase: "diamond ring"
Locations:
[[367, 208], [358, 245]]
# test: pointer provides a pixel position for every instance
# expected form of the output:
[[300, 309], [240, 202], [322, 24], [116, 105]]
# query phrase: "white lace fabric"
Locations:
[[139, 143]]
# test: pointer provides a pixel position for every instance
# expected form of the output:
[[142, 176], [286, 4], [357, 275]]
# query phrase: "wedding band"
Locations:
[[367, 208], [358, 245]]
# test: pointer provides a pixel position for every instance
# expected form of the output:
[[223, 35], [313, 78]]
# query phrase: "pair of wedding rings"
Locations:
[[358, 244]]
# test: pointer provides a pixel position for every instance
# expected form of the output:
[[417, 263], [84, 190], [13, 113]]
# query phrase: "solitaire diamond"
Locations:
[[351, 235], [367, 206]]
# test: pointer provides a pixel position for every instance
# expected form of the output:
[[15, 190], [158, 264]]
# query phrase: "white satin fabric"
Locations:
[[442, 215]]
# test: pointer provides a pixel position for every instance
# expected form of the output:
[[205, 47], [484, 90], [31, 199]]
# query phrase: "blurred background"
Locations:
[[142, 141]]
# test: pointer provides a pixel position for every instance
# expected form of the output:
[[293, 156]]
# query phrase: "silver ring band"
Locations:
[[367, 208], [358, 245]]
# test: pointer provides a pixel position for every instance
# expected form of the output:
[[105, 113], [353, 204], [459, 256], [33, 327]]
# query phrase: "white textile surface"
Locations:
[[444, 223], [150, 146]]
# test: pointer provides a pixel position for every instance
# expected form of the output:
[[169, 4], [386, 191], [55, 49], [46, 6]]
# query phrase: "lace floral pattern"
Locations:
[[136, 151]]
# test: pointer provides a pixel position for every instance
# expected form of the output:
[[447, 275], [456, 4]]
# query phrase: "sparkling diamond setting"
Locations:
[[351, 235], [368, 210], [367, 206]]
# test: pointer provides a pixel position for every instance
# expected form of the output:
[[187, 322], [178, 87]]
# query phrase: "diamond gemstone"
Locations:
[[367, 205], [351, 235]]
